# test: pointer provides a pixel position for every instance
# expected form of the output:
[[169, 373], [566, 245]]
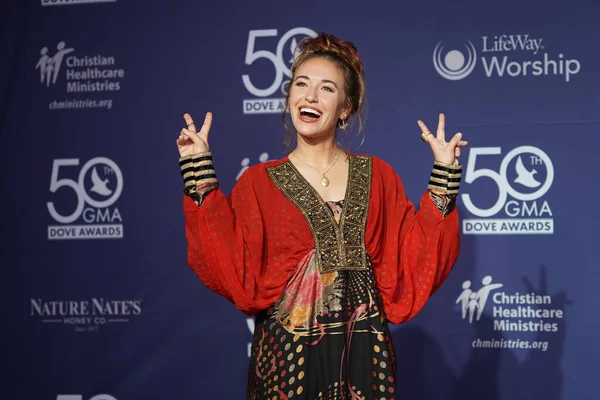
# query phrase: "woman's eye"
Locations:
[[327, 89], [301, 84]]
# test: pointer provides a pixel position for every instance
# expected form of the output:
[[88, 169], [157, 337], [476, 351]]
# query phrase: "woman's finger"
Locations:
[[206, 125], [441, 133], [189, 122], [455, 140], [193, 136], [424, 131]]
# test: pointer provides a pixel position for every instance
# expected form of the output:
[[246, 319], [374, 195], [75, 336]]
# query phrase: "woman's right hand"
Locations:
[[191, 142]]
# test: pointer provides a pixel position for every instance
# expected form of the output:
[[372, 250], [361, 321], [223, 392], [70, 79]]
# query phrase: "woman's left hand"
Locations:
[[444, 152]]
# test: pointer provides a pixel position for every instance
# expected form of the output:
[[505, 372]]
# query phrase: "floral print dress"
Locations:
[[325, 338]]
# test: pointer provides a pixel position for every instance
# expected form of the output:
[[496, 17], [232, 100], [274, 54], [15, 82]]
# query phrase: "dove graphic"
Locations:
[[99, 184], [524, 176]]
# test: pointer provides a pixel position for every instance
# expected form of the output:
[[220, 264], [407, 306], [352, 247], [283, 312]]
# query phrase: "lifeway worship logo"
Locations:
[[97, 188], [525, 175], [511, 312], [85, 315], [500, 58], [282, 59], [90, 74]]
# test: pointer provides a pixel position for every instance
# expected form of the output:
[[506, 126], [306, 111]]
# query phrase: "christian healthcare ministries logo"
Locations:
[[503, 56], [281, 60], [525, 175], [85, 315], [511, 312], [90, 74], [95, 191]]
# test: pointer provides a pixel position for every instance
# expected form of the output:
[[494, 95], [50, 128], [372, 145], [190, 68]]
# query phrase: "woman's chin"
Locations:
[[312, 133]]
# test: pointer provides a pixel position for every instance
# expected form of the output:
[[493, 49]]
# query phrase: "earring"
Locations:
[[343, 124]]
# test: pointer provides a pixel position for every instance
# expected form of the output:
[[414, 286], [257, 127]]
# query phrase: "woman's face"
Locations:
[[317, 98]]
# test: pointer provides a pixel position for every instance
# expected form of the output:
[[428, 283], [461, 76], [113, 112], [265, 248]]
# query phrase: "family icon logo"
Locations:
[[49, 66], [473, 302]]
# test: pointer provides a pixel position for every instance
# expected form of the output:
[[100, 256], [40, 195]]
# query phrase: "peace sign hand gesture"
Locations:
[[444, 152], [191, 142]]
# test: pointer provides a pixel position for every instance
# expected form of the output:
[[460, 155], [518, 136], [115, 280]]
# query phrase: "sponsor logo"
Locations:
[[93, 214], [281, 60], [73, 2], [510, 312], [454, 66], [525, 175], [504, 56], [76, 74], [85, 315]]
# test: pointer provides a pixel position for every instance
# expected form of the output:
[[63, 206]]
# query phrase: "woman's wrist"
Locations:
[[445, 178], [198, 174]]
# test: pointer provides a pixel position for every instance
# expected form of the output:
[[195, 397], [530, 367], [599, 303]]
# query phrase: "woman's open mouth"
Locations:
[[308, 114]]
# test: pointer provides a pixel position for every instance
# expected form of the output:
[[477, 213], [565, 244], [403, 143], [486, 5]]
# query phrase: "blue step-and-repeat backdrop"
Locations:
[[98, 301]]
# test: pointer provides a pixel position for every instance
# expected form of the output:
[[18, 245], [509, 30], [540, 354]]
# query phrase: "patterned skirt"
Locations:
[[325, 338]]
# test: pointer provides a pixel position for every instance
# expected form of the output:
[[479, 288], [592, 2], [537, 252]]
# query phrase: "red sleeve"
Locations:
[[226, 245], [412, 251]]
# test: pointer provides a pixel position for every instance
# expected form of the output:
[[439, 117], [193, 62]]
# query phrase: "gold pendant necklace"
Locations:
[[324, 179]]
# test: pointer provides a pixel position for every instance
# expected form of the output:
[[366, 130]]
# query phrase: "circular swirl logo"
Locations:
[[454, 65]]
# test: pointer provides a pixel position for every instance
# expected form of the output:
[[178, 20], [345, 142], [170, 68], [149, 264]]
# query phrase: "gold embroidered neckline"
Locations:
[[316, 193], [338, 245]]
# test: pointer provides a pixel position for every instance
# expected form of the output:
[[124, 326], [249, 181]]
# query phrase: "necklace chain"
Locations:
[[324, 179]]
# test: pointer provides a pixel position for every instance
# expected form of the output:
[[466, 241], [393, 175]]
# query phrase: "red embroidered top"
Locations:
[[246, 247]]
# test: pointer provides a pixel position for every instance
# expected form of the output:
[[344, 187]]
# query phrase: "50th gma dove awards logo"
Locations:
[[524, 176], [503, 56], [281, 60], [86, 209]]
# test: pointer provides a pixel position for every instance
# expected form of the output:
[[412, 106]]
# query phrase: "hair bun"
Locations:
[[327, 43]]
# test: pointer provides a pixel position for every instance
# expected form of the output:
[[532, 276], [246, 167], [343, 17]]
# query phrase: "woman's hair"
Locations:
[[345, 55]]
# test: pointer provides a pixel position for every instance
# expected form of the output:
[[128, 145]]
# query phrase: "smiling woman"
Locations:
[[323, 247], [335, 65]]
